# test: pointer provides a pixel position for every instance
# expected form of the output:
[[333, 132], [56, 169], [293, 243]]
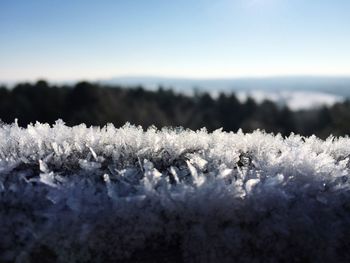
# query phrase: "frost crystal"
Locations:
[[79, 194]]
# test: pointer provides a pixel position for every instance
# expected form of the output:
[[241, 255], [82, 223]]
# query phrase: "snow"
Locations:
[[82, 194]]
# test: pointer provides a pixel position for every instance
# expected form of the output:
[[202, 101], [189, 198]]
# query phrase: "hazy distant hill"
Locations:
[[296, 92], [333, 85]]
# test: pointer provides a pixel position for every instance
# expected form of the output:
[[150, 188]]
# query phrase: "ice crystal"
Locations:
[[89, 194]]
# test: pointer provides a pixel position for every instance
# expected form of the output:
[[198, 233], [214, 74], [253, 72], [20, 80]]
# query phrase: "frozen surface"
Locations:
[[79, 194]]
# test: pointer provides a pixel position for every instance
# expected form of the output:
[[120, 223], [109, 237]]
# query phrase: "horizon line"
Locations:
[[175, 77]]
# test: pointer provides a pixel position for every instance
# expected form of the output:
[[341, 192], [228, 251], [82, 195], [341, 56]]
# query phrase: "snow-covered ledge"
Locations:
[[79, 194]]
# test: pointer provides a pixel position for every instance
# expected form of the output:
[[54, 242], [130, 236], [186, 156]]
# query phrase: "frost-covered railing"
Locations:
[[79, 194]]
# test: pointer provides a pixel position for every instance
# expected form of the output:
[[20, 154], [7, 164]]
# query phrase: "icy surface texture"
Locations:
[[79, 194]]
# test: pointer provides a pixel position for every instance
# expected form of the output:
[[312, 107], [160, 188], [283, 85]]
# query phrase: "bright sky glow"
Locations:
[[64, 40]]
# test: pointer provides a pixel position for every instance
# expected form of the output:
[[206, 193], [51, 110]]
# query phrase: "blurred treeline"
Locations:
[[96, 104]]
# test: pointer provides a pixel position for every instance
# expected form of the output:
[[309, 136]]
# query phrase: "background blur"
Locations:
[[278, 65]]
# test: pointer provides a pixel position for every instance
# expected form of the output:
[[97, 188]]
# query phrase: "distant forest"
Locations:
[[95, 104]]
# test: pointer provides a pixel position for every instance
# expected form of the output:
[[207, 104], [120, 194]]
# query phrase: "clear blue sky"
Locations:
[[76, 39]]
